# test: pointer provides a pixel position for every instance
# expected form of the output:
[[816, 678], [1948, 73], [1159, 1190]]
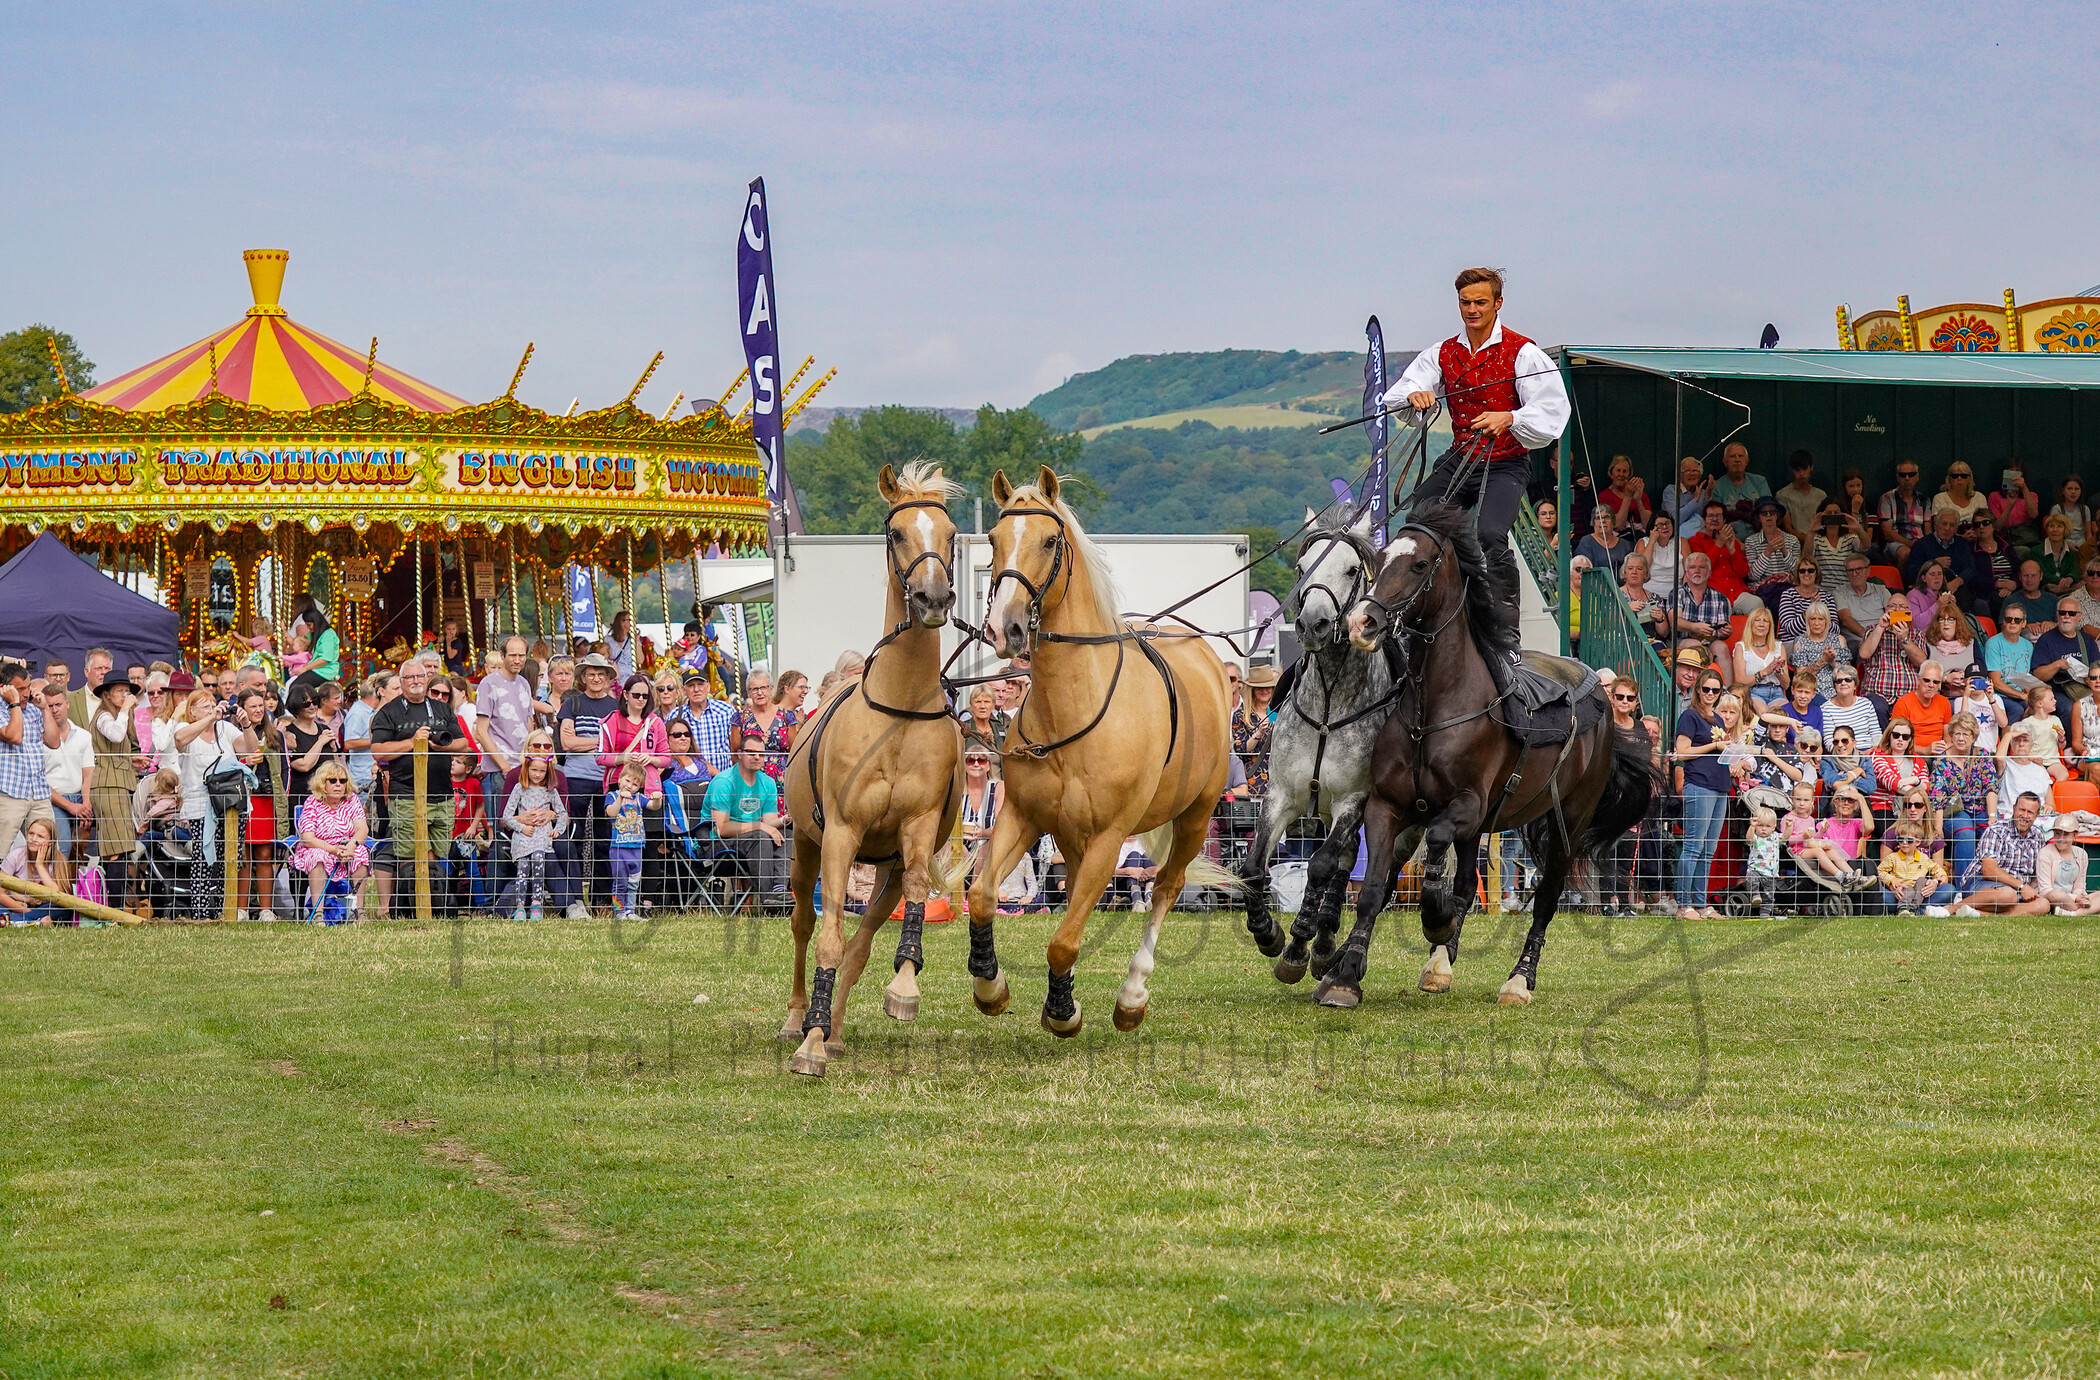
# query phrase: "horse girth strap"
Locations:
[[1120, 639], [816, 792]]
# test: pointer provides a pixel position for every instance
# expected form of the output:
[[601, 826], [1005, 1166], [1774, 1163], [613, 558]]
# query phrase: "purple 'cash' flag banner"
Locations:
[[1374, 389], [756, 305]]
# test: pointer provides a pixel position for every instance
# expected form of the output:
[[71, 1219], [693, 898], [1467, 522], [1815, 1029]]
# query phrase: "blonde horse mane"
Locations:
[[1107, 598], [923, 479]]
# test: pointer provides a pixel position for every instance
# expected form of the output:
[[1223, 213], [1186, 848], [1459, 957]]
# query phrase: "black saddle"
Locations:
[[1543, 709]]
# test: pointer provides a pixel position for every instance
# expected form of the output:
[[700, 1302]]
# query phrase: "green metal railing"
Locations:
[[1611, 636], [1544, 563]]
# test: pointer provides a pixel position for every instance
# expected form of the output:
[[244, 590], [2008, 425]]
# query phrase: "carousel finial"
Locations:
[[527, 359], [722, 401], [58, 365], [643, 381], [371, 363], [789, 386], [211, 353], [672, 410]]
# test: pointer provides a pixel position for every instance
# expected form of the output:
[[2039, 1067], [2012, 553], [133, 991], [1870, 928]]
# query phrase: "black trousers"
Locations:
[[1499, 489]]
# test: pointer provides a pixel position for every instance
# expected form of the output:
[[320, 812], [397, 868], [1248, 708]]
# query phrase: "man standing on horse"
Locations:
[[1506, 399]]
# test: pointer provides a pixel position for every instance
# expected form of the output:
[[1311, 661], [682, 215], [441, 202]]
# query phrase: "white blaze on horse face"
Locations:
[[1402, 545], [1007, 591]]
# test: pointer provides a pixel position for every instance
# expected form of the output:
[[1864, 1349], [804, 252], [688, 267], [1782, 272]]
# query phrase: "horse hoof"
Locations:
[[1515, 992], [1288, 971], [1342, 996], [1271, 945], [900, 1000], [810, 1059], [1128, 1018], [1065, 1030], [1322, 962], [991, 994], [1436, 977], [791, 1028], [834, 1049]]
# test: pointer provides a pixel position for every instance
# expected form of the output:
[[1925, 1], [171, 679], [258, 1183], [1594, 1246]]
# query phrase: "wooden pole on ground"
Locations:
[[68, 900], [230, 849]]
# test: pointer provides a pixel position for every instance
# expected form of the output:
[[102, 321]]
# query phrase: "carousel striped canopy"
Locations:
[[268, 360]]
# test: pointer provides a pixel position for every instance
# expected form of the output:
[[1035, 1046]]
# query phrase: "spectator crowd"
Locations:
[[1893, 699]]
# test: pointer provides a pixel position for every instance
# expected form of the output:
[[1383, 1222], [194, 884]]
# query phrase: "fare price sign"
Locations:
[[484, 580], [357, 577], [196, 580]]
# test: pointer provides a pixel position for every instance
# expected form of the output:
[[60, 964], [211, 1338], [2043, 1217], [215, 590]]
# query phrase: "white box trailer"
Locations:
[[829, 592]]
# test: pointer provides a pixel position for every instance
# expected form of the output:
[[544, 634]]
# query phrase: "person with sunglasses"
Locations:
[[1794, 603], [635, 735], [1959, 495], [1903, 515], [1624, 696], [2062, 656], [1897, 764], [1703, 788]]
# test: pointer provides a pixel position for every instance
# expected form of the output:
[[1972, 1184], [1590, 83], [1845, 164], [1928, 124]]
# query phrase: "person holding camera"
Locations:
[[396, 729]]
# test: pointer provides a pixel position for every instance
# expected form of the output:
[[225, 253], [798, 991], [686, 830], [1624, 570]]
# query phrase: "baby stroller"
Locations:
[[160, 872], [1804, 891]]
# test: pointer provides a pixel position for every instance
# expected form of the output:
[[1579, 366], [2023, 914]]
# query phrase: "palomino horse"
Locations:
[[1445, 762], [878, 777], [1124, 731], [1320, 749]]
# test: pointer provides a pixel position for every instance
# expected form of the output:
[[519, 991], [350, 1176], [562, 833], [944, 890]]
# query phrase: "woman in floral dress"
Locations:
[[331, 838], [771, 722]]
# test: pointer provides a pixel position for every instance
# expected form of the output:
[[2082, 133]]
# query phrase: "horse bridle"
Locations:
[[902, 575], [1035, 591], [1394, 614], [1359, 584]]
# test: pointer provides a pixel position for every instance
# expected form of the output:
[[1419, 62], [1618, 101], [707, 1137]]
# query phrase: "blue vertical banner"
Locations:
[[583, 601], [1375, 487], [757, 305]]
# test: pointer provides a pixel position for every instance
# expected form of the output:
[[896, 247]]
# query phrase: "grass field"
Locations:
[[1862, 1147]]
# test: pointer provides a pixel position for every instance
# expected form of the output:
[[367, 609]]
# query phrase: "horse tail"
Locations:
[[1634, 784], [1202, 871]]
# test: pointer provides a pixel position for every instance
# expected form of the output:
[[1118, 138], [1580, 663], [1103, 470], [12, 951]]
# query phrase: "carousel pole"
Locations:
[[663, 593], [416, 643], [466, 600], [634, 621], [511, 553]]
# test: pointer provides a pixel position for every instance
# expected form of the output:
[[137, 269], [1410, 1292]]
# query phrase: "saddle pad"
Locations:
[[1578, 706]]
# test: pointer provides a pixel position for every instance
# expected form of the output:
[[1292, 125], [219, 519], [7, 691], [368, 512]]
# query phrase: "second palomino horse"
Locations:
[[1125, 731], [878, 777]]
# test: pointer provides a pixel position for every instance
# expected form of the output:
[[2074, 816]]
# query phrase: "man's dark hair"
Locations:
[[58, 661], [12, 671], [1711, 504], [2029, 795], [1802, 460], [1468, 277]]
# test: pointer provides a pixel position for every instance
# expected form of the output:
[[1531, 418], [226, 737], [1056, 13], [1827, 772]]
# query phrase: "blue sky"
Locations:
[[971, 201]]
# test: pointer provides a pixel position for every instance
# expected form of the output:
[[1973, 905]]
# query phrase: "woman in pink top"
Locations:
[[635, 735], [1850, 822]]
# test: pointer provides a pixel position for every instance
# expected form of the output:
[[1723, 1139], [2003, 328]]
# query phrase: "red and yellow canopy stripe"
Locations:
[[267, 361]]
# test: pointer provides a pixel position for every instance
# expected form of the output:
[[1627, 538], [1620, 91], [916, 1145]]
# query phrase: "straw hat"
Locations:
[[1261, 676]]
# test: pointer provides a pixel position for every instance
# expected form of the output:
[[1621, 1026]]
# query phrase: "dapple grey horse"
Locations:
[[1320, 749]]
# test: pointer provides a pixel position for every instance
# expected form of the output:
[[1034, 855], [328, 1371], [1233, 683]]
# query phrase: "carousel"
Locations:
[[2059, 325], [267, 461]]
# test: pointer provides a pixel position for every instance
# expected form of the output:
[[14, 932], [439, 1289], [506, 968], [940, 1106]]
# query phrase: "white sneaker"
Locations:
[[1966, 909], [577, 911], [241, 916], [266, 917], [1509, 902], [1939, 912]]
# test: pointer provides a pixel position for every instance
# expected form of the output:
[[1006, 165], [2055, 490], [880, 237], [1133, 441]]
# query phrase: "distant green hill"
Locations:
[[1140, 386]]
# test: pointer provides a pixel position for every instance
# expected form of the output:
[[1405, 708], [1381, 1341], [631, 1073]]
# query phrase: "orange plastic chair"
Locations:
[[1735, 628], [2075, 794], [1989, 626], [1887, 574]]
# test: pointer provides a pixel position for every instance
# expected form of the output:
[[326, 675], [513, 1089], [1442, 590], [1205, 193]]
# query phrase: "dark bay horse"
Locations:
[[1446, 764]]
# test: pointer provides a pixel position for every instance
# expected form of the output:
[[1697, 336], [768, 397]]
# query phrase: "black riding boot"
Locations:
[[1499, 647]]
